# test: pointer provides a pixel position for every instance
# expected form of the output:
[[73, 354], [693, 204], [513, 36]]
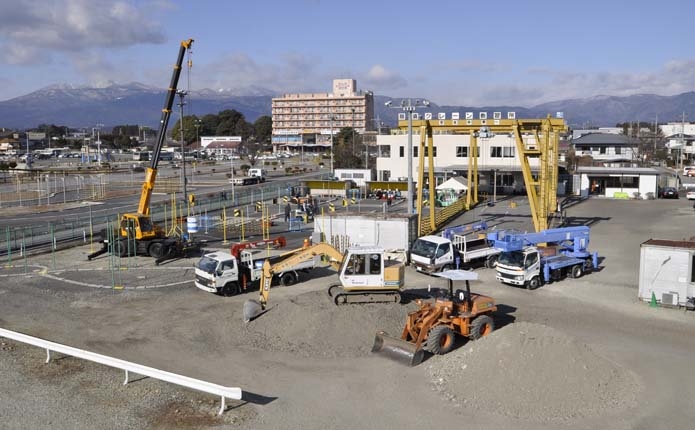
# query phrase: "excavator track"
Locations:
[[342, 296]]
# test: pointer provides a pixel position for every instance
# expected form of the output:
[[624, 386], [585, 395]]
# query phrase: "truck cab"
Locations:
[[522, 268], [432, 254], [261, 174], [218, 273]]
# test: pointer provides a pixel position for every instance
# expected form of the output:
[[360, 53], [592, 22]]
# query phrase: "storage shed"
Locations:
[[667, 269]]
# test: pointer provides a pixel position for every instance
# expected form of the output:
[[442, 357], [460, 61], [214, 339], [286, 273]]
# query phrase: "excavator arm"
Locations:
[[252, 309], [300, 256]]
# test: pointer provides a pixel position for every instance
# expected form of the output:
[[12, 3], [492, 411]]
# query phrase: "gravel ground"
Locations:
[[576, 354], [532, 371]]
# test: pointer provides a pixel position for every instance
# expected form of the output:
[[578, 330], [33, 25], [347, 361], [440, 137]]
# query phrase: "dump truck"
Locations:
[[223, 273], [532, 259], [433, 327], [364, 274]]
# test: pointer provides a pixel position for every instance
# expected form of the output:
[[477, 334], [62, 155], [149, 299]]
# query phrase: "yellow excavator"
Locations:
[[365, 276], [137, 234]]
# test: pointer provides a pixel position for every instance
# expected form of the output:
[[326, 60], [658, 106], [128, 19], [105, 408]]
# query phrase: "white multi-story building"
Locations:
[[498, 161], [307, 121]]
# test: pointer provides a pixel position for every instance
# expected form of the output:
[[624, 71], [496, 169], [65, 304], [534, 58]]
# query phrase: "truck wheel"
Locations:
[[440, 340], [156, 249], [288, 278], [447, 267], [491, 262], [120, 248], [230, 289], [577, 271], [483, 325], [533, 283]]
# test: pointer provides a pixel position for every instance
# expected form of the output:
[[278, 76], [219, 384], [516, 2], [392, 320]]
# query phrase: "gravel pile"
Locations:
[[532, 371], [311, 325]]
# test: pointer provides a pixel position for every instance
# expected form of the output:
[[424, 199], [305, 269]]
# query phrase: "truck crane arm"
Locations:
[[252, 308], [151, 173]]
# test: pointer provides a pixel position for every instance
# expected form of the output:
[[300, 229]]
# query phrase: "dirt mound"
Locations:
[[532, 371], [311, 325]]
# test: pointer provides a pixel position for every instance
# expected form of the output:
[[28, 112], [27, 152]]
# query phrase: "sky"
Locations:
[[466, 53]]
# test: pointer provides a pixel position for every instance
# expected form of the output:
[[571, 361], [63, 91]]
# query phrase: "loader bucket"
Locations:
[[397, 349], [252, 310]]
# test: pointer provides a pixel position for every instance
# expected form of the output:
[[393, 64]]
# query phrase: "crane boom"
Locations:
[[151, 173]]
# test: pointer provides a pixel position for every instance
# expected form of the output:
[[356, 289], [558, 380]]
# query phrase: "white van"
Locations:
[[258, 173], [689, 171]]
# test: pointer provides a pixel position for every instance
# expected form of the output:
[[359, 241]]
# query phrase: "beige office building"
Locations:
[[306, 121]]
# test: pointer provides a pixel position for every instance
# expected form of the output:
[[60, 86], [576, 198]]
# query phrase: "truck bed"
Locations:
[[561, 261]]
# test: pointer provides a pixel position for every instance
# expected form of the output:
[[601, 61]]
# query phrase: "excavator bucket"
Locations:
[[252, 310], [397, 349]]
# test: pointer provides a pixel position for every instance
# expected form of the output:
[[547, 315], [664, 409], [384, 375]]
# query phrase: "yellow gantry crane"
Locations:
[[535, 139]]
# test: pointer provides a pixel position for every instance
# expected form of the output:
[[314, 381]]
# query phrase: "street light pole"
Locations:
[[330, 119], [409, 108]]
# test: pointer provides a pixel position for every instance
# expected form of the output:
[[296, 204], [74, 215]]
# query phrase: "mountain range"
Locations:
[[135, 103]]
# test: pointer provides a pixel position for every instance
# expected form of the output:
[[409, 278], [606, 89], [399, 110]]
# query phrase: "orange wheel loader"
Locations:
[[434, 326]]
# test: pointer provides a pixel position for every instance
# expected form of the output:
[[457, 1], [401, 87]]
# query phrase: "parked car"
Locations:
[[669, 193], [690, 195]]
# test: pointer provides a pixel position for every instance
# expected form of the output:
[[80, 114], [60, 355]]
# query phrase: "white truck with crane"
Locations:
[[136, 233], [222, 273], [531, 259], [454, 249]]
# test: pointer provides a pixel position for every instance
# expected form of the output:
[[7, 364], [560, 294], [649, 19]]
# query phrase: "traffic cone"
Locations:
[[652, 302]]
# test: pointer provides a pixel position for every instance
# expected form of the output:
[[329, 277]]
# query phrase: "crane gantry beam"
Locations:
[[541, 189]]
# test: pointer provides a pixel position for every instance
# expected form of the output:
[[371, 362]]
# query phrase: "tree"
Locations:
[[189, 131], [343, 154], [263, 129]]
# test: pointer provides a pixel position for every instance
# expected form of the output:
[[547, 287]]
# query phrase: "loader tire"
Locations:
[[156, 249], [577, 271], [288, 278], [483, 325], [440, 340]]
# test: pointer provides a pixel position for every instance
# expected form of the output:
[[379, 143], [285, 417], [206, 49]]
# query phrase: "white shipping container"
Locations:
[[667, 269]]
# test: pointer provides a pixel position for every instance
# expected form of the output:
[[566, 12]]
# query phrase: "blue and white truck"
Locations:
[[532, 259]]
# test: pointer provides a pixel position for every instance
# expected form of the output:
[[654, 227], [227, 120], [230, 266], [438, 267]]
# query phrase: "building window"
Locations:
[[434, 151], [502, 151], [462, 151], [401, 151], [617, 150], [505, 180], [602, 150], [415, 148]]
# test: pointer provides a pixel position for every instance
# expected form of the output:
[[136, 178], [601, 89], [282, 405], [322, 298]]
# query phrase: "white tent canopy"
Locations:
[[455, 183]]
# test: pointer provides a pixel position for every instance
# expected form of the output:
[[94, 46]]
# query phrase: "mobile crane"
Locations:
[[364, 274], [524, 262], [137, 228]]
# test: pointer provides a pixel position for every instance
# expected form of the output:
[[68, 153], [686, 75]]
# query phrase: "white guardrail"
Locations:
[[127, 366]]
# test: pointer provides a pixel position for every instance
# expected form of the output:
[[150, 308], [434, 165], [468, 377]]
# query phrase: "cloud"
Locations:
[[34, 31], [293, 73], [380, 78]]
